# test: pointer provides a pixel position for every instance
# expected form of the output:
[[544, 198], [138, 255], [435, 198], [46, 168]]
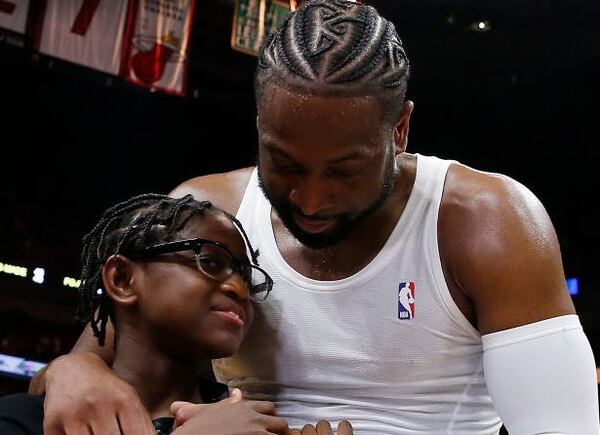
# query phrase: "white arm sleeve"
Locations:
[[542, 378]]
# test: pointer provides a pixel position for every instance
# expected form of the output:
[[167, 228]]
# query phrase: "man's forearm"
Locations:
[[542, 377]]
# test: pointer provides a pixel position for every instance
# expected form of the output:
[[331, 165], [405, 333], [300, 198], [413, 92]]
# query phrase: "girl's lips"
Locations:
[[230, 317]]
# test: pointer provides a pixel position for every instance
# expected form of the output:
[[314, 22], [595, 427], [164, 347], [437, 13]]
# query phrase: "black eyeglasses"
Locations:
[[217, 262]]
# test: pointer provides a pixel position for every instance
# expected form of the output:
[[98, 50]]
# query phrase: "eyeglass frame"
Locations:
[[195, 245]]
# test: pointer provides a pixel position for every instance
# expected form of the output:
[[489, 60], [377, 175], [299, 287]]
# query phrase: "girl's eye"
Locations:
[[212, 265]]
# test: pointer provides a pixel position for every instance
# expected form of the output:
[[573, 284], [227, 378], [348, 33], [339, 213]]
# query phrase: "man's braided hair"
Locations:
[[336, 47]]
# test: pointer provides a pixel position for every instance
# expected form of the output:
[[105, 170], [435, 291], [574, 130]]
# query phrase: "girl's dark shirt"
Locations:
[[22, 414]]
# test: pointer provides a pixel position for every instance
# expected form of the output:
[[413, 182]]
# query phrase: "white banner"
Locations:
[[158, 45], [87, 32], [13, 15]]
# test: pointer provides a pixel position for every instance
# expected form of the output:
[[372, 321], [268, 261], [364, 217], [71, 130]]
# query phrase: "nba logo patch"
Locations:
[[406, 300]]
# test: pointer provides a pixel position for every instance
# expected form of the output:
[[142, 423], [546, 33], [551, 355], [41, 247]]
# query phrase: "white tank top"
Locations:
[[386, 348]]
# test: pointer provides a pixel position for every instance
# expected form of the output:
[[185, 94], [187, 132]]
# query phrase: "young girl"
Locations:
[[174, 277]]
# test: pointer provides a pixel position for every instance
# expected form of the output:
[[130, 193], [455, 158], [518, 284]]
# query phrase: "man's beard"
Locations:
[[345, 222]]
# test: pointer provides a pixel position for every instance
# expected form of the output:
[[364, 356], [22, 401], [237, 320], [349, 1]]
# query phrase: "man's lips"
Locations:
[[314, 225]]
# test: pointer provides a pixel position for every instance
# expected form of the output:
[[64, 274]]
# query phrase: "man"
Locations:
[[412, 294]]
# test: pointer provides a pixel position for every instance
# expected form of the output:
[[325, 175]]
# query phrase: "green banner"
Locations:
[[249, 17]]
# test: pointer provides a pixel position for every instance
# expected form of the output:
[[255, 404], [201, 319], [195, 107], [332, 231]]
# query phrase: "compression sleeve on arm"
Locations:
[[542, 378]]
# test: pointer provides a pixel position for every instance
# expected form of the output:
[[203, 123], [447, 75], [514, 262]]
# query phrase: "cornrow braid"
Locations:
[[336, 47], [127, 227]]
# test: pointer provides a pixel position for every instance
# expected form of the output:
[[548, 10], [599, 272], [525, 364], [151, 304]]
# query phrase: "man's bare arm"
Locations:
[[501, 252]]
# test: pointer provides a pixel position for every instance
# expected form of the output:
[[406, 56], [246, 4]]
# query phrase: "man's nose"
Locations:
[[312, 196]]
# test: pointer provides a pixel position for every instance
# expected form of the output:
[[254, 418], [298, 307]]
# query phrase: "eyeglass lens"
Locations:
[[218, 264]]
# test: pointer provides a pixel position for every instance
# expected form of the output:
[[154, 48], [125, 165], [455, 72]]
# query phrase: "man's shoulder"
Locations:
[[480, 209], [225, 190], [484, 216], [471, 190]]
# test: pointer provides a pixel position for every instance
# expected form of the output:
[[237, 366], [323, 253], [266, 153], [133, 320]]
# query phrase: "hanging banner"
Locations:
[[253, 21], [13, 15], [87, 32], [158, 43]]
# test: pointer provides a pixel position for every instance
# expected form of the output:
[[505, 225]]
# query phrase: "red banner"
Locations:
[[158, 44], [13, 15], [87, 32]]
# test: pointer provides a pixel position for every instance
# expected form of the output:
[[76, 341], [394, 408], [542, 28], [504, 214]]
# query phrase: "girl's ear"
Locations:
[[117, 275]]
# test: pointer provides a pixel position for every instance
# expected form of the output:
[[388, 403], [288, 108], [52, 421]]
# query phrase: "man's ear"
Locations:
[[117, 275], [402, 126]]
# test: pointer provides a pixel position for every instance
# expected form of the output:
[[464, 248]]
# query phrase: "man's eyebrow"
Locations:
[[354, 156], [274, 148]]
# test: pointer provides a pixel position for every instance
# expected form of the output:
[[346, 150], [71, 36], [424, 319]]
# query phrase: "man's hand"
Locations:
[[84, 397], [323, 428], [229, 416]]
